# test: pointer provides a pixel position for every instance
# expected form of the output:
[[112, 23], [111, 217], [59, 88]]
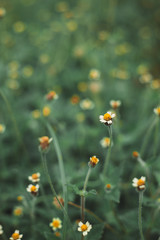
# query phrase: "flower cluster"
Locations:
[[33, 189], [56, 224]]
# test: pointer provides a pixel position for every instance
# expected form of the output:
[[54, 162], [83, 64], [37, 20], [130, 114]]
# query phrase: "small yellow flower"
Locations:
[[145, 78], [18, 211], [82, 86], [157, 111], [115, 104], [93, 161], [35, 177], [2, 128], [44, 58], [105, 142], [86, 104], [36, 113], [75, 99], [28, 71], [72, 26], [51, 95], [20, 198], [139, 183], [46, 111], [135, 154], [95, 87], [33, 189], [155, 84], [16, 235], [19, 27], [108, 186], [94, 74], [44, 142], [2, 12], [56, 203], [84, 228], [56, 224], [1, 230], [107, 118]]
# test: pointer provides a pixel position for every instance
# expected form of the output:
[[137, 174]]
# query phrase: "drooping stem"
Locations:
[[140, 214], [108, 151]]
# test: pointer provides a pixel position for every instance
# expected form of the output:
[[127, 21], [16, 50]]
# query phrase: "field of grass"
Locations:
[[62, 66]]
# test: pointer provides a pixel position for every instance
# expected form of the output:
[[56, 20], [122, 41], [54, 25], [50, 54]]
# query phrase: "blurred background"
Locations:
[[88, 52]]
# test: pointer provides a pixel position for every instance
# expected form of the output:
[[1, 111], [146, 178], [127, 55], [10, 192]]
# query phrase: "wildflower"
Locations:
[[57, 234], [157, 111], [20, 198], [95, 87], [28, 71], [72, 26], [35, 177], [56, 203], [105, 142], [94, 74], [135, 154], [44, 58], [19, 27], [18, 211], [82, 86], [56, 224], [108, 187], [86, 104], [155, 84], [80, 117], [84, 228], [33, 189], [139, 183], [51, 95], [115, 104], [16, 235], [1, 230], [2, 12], [46, 111], [93, 161], [145, 78], [107, 118], [74, 99], [44, 142], [2, 128], [36, 113]]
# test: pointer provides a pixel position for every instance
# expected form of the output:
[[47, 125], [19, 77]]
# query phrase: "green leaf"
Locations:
[[96, 232]]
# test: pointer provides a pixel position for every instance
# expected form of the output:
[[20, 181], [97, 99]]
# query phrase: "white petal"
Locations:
[[109, 113], [142, 186], [143, 178], [80, 224], [85, 233], [135, 180], [134, 185], [109, 122], [79, 229], [17, 231], [21, 235], [113, 115], [101, 117], [87, 223]]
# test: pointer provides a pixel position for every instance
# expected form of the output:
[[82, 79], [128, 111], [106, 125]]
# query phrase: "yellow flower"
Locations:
[[107, 118], [146, 78], [108, 186], [51, 95], [75, 99], [19, 27], [105, 142], [93, 161], [86, 104], [20, 198], [1, 230], [2, 128], [135, 154], [18, 211], [36, 113], [56, 224], [94, 74], [157, 111], [44, 58], [2, 12], [35, 177], [33, 189], [82, 86], [46, 111], [115, 104], [84, 228], [16, 235], [139, 183], [72, 26], [28, 71], [44, 142]]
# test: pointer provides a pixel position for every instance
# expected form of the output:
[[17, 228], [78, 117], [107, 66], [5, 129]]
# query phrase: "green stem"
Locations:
[[44, 162], [156, 137], [140, 214], [108, 152]]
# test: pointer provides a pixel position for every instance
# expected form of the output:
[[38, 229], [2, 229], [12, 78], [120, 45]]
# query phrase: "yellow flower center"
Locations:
[[44, 142], [33, 188], [107, 117], [107, 140], [108, 186], [140, 182], [158, 110], [135, 154], [56, 223], [15, 236], [94, 160], [84, 227], [35, 176]]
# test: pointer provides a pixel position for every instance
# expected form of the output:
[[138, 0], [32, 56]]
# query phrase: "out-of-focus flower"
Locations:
[[107, 118], [75, 99], [72, 26], [36, 113], [135, 154], [56, 224], [2, 12], [19, 27], [105, 142], [94, 74], [45, 142], [86, 104], [142, 69], [145, 78], [28, 71], [115, 104], [155, 84], [51, 95], [35, 177], [157, 111], [80, 117], [56, 203], [119, 73], [16, 235], [84, 228], [46, 111], [95, 87], [20, 198], [13, 84], [108, 187], [44, 58], [93, 161], [122, 49], [78, 52], [2, 128], [103, 35], [33, 189], [18, 211], [140, 184], [82, 86], [62, 7], [1, 230], [57, 234]]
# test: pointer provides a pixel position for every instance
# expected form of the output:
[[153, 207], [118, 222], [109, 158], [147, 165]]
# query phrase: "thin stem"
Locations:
[[156, 136], [108, 152], [140, 214], [44, 162]]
